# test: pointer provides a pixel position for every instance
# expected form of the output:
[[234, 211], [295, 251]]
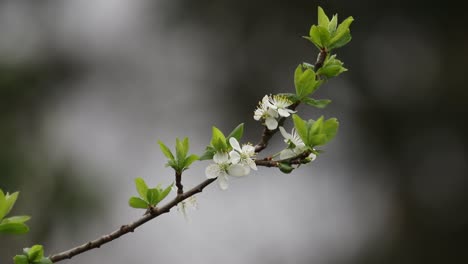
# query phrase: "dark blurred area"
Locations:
[[402, 104]]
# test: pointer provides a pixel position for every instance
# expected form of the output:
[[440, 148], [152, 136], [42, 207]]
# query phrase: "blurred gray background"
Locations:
[[88, 87]]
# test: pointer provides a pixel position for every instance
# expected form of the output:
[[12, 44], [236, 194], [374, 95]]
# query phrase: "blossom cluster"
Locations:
[[271, 108], [237, 162]]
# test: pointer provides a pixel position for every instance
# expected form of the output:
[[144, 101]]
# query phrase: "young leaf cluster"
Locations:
[[328, 35], [181, 161], [315, 132], [14, 224], [33, 255], [148, 197], [220, 143]]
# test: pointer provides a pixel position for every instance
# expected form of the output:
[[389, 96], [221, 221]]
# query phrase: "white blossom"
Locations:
[[189, 203], [295, 144], [267, 112], [242, 156], [222, 168], [280, 103]]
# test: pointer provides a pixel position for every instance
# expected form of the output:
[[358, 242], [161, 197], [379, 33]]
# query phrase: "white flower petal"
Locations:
[[283, 132], [223, 182], [287, 153], [272, 112], [252, 164], [235, 156], [283, 112], [221, 157], [248, 150], [238, 170], [235, 144], [212, 171], [271, 123]]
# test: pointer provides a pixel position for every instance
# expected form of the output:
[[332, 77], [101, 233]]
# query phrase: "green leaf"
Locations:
[[333, 24], [43, 261], [237, 132], [316, 127], [332, 67], [297, 77], [7, 203], [323, 19], [152, 196], [14, 228], [189, 160], [344, 25], [324, 36], [342, 35], [340, 42], [330, 128], [166, 151], [141, 187], [322, 103], [16, 219], [306, 84], [317, 140], [181, 150], [165, 192], [218, 141], [315, 37], [285, 167], [300, 126], [21, 259], [136, 202], [35, 253], [208, 154]]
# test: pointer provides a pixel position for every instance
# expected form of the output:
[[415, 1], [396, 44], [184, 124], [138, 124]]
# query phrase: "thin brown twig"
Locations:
[[153, 213]]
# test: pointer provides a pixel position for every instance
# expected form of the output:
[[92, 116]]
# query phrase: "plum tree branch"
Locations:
[[125, 229], [155, 212]]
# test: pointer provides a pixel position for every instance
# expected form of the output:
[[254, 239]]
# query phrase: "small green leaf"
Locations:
[[165, 192], [324, 36], [35, 253], [218, 140], [342, 35], [300, 126], [21, 259], [322, 103], [340, 42], [141, 187], [285, 167], [317, 140], [333, 24], [14, 228], [166, 151], [307, 84], [330, 128], [16, 219], [152, 196], [323, 19], [43, 261], [315, 38], [236, 133], [297, 76], [208, 154], [7, 203], [136, 202], [316, 127], [189, 160], [181, 150]]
